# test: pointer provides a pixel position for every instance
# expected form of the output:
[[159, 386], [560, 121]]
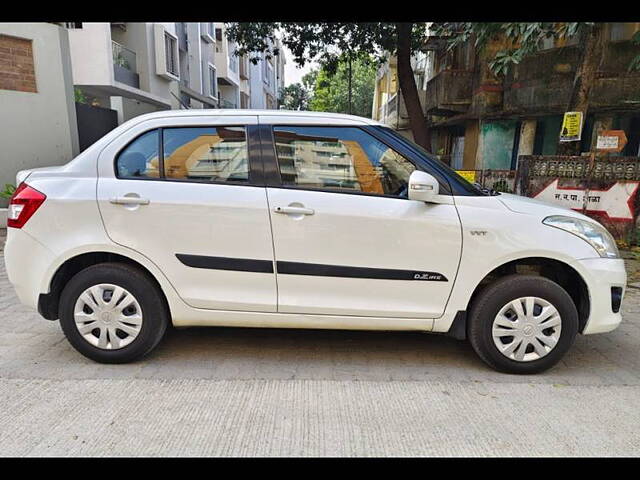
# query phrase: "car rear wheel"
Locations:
[[112, 313], [522, 324]]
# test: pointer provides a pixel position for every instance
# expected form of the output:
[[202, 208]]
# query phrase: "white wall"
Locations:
[[90, 48], [39, 129]]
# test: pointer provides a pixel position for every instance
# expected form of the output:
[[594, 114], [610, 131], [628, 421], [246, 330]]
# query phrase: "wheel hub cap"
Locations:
[[108, 316], [526, 329]]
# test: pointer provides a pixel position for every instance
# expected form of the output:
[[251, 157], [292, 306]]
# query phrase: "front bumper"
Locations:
[[600, 275]]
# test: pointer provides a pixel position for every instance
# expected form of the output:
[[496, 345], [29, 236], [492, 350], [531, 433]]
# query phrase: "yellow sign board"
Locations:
[[571, 130], [468, 175]]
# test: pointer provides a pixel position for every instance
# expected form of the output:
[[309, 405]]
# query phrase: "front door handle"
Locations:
[[129, 201], [294, 210]]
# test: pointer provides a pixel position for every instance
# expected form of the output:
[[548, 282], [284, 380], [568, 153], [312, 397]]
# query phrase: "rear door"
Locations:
[[187, 193], [347, 239]]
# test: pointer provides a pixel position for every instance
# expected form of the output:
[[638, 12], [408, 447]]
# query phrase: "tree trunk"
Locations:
[[408, 88], [591, 56]]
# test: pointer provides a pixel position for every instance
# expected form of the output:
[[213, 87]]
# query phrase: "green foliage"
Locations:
[[522, 38], [323, 42], [326, 89], [79, 96], [635, 63], [121, 61], [295, 97], [331, 89], [9, 189]]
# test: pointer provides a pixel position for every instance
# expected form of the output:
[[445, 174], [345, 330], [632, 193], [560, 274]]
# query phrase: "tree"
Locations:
[[297, 96], [348, 89], [294, 97], [523, 39], [328, 42]]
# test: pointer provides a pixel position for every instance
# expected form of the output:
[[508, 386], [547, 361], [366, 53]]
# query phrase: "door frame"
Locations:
[[254, 155], [271, 168]]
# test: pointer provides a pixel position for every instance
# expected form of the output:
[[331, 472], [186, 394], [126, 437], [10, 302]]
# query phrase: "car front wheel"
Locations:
[[522, 324]]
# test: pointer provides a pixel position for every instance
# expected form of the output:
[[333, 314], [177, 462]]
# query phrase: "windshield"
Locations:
[[453, 176]]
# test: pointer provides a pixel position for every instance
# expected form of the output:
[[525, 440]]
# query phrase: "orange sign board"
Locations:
[[612, 141]]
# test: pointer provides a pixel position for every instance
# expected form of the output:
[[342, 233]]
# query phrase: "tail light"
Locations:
[[23, 204]]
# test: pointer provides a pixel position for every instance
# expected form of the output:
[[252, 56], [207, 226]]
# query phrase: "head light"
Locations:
[[592, 233]]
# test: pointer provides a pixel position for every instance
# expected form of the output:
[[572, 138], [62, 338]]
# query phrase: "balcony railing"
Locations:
[[124, 65], [544, 81], [123, 56], [449, 92], [392, 105], [394, 111]]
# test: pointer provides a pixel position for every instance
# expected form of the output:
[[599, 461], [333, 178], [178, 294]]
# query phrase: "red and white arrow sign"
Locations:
[[616, 201]]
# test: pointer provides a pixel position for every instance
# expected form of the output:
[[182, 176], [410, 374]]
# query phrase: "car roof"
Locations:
[[300, 115]]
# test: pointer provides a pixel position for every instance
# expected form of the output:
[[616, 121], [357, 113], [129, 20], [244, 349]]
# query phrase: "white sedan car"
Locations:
[[299, 220]]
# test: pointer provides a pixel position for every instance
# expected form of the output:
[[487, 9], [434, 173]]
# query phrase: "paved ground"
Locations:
[[248, 392]]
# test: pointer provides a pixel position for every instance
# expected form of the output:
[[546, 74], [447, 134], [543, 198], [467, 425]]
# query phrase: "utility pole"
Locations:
[[350, 75]]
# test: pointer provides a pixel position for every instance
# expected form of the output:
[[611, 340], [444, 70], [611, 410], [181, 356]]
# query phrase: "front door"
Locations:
[[347, 240], [185, 197]]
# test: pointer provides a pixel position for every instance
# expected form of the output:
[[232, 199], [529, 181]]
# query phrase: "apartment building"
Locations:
[[245, 81], [228, 69], [279, 67], [388, 103], [198, 82], [479, 121], [128, 67], [267, 79]]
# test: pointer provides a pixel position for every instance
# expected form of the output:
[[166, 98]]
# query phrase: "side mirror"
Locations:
[[423, 187]]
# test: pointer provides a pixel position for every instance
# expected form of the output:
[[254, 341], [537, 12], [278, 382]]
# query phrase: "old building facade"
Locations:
[[479, 121]]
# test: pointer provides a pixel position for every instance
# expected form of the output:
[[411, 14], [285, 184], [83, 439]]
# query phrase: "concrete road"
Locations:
[[254, 392]]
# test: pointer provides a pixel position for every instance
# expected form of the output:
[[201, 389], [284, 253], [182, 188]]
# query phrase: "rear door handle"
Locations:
[[294, 210], [129, 201]]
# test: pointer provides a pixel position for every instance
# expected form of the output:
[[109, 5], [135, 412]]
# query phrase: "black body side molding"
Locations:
[[226, 263]]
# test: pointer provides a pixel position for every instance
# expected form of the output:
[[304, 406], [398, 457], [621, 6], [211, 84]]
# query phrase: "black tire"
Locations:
[[146, 292], [487, 305]]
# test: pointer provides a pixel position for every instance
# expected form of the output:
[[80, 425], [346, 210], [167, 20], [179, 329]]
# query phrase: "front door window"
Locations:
[[340, 158]]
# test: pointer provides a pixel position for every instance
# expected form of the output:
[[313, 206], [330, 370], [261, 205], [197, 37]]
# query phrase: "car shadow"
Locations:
[[232, 353]]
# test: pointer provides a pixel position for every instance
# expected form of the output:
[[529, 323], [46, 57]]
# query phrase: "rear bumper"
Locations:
[[600, 275], [27, 262]]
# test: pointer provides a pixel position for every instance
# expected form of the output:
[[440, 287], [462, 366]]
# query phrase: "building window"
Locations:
[[171, 53], [340, 158], [207, 32], [267, 73], [216, 154], [218, 34], [622, 31], [244, 67], [213, 81], [233, 58], [244, 100]]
